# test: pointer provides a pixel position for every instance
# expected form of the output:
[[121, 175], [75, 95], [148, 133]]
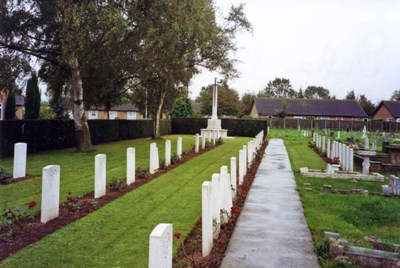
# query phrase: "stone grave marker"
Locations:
[[233, 177], [19, 169], [154, 160], [206, 218], [203, 142], [216, 203], [99, 175], [179, 147], [160, 246], [245, 159], [241, 167], [196, 150], [50, 193], [167, 153], [130, 166]]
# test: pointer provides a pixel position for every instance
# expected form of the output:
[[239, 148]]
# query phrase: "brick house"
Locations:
[[309, 109], [124, 111], [388, 111], [19, 105]]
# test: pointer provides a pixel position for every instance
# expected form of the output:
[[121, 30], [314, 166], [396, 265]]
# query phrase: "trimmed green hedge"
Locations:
[[235, 127], [42, 135]]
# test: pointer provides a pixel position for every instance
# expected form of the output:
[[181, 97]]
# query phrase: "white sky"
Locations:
[[338, 44]]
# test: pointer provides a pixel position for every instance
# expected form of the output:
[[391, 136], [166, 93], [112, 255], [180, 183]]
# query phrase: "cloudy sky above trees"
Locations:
[[340, 45]]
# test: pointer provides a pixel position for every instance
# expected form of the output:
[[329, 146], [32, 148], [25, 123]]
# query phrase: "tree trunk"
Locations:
[[83, 140], [156, 118]]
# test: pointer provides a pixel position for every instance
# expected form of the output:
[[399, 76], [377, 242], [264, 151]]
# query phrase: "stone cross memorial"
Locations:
[[160, 246], [50, 193], [19, 170]]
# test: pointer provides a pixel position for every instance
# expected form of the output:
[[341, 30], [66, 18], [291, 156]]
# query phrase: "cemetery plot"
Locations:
[[126, 223]]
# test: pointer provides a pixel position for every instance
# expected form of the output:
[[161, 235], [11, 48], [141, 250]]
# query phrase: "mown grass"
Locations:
[[117, 234], [354, 216], [77, 169]]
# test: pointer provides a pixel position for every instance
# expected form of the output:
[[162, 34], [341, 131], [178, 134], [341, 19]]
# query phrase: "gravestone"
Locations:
[[216, 203], [100, 175], [196, 150], [19, 170], [233, 176], [160, 246], [206, 218], [154, 160], [328, 148], [179, 147], [130, 166], [50, 193], [241, 166], [250, 153], [245, 159], [351, 159], [366, 143], [323, 144], [226, 192], [167, 153], [203, 142], [373, 146]]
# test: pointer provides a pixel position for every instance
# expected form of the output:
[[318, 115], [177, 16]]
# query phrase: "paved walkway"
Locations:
[[272, 230]]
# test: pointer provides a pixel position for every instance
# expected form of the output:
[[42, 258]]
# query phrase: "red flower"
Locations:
[[244, 187], [234, 210], [69, 193], [177, 235], [32, 204]]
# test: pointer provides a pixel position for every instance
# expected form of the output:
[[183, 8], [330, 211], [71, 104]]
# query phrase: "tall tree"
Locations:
[[228, 100], [278, 88], [396, 95], [350, 95], [32, 101], [10, 106], [182, 107], [300, 95], [366, 104], [316, 92], [246, 101]]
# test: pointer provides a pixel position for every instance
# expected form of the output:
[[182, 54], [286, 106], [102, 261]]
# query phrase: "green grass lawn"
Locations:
[[77, 169], [117, 234], [353, 216]]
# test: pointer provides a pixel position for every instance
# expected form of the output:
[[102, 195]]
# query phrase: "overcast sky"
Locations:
[[340, 45]]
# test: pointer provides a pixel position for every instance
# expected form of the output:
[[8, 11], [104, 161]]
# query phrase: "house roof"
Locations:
[[392, 106], [128, 107], [19, 100], [310, 107]]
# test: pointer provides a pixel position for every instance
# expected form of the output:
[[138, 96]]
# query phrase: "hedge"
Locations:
[[235, 127], [42, 135]]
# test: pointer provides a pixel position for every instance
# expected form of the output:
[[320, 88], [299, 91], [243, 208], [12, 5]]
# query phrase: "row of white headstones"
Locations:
[[335, 149], [217, 200]]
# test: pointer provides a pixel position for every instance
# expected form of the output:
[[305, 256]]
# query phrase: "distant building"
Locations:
[[124, 111], [308, 109], [19, 105], [388, 111]]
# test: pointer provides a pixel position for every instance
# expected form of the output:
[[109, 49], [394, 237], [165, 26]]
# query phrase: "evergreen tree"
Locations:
[[10, 106], [32, 104]]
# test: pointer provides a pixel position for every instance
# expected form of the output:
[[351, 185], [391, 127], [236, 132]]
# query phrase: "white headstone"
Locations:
[[179, 148], [216, 203], [249, 154], [99, 175], [214, 141], [196, 150], [365, 165], [226, 192], [19, 160], [50, 193], [366, 143], [313, 136], [323, 144], [130, 166], [233, 176], [351, 159], [167, 153], [203, 141], [206, 218], [328, 148], [241, 166], [160, 246], [154, 160], [245, 159]]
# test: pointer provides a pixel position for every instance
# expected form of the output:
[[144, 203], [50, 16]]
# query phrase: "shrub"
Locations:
[[321, 247], [142, 173], [117, 184], [4, 176]]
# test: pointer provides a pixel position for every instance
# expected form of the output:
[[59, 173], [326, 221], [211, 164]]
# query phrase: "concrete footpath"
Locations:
[[272, 230]]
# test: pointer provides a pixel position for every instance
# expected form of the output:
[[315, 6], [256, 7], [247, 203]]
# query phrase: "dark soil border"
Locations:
[[16, 180], [31, 230], [189, 254]]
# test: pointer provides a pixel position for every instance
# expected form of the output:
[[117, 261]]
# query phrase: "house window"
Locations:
[[299, 117], [93, 114], [323, 118], [365, 119], [113, 115], [398, 120], [131, 115], [339, 118], [388, 119]]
